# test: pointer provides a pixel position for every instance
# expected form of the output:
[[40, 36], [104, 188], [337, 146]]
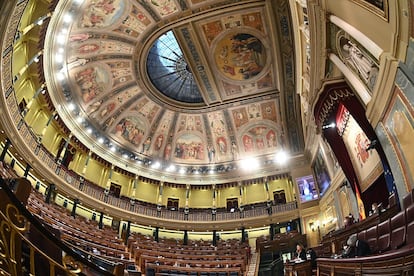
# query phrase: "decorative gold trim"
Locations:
[[383, 13], [13, 227]]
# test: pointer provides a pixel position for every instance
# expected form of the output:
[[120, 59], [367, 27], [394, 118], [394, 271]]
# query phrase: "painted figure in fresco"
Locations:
[[158, 142], [234, 150], [260, 143], [76, 62], [164, 6], [271, 139], [146, 145], [79, 37], [211, 153], [248, 143], [97, 13], [88, 48], [217, 124], [167, 152], [89, 84], [129, 130], [222, 145], [108, 109], [239, 117], [249, 54], [94, 107], [179, 150]]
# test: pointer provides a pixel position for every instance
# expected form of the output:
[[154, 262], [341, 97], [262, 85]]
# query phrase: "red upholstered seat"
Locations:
[[362, 235], [408, 199], [383, 232], [371, 238], [398, 230], [409, 216], [392, 200]]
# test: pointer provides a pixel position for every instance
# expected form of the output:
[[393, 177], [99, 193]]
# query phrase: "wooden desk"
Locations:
[[299, 269], [169, 270]]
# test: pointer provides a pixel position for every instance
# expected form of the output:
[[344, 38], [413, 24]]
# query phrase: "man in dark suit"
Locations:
[[356, 248]]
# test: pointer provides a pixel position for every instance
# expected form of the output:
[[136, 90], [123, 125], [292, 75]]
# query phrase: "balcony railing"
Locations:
[[27, 246]]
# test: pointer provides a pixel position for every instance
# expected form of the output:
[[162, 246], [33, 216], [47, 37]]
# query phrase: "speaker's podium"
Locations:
[[299, 268]]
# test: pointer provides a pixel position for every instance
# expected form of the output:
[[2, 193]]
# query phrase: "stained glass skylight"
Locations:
[[169, 72]]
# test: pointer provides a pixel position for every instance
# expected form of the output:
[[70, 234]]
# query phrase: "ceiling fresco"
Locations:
[[188, 82]]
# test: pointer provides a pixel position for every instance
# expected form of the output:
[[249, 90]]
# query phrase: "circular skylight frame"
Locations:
[[169, 71]]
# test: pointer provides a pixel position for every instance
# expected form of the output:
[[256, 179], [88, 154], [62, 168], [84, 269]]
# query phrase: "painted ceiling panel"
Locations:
[[184, 82]]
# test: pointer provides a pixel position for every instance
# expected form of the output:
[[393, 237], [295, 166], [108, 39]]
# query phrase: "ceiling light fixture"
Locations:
[[281, 157], [249, 164], [331, 125]]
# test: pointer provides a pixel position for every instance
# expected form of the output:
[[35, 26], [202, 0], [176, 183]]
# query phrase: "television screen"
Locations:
[[321, 173], [307, 188]]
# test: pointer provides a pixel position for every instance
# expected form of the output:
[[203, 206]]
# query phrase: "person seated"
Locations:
[[311, 256], [374, 209], [356, 248], [300, 253]]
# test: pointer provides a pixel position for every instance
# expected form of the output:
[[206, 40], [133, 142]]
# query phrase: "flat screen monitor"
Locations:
[[307, 188]]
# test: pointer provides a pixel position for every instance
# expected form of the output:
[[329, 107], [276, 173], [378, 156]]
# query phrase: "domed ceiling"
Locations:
[[191, 84]]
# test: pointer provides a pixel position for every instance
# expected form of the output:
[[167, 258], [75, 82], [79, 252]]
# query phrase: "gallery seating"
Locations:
[[172, 256], [35, 245], [383, 236], [391, 244], [408, 199], [82, 233], [369, 228], [398, 230], [409, 211]]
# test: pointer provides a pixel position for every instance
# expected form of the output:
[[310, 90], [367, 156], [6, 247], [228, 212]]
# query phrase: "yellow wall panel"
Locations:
[[94, 172], [200, 198], [122, 180], [25, 88], [171, 192], [147, 192], [255, 193], [19, 63], [281, 184], [52, 138], [40, 120], [224, 194]]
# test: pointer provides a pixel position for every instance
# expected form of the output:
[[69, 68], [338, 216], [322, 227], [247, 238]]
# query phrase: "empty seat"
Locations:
[[150, 272], [398, 230], [392, 200], [362, 235], [409, 216], [408, 199], [384, 239], [371, 238]]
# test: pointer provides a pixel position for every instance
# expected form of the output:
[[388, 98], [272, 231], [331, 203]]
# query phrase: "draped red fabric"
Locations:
[[333, 96], [338, 147]]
